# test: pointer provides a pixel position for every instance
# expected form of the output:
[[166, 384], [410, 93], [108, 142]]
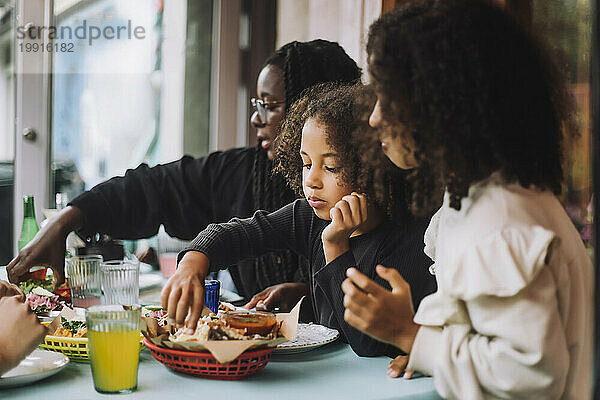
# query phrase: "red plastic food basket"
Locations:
[[205, 365]]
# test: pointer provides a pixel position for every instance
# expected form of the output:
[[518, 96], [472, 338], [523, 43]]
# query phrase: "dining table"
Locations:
[[329, 372]]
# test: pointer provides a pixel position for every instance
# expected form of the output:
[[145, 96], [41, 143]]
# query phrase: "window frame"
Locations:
[[33, 102]]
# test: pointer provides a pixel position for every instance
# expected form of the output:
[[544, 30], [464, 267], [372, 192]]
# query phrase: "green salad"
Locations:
[[72, 326], [31, 284]]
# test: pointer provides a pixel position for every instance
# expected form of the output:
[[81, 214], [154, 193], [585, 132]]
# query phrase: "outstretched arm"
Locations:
[[133, 206], [220, 245]]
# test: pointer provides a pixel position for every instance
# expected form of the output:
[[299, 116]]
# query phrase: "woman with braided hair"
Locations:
[[187, 195]]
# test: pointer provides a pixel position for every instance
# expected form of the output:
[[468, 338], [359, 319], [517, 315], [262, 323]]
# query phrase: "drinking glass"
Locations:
[[114, 347], [120, 281], [84, 279]]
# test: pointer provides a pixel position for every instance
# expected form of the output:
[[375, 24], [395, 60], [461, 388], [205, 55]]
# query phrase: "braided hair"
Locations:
[[304, 64]]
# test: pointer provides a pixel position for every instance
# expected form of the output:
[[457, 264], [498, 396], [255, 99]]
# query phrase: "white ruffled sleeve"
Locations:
[[494, 331], [431, 234], [501, 264]]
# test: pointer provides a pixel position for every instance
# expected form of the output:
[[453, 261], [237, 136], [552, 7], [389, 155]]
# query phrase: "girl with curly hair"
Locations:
[[342, 220], [467, 99]]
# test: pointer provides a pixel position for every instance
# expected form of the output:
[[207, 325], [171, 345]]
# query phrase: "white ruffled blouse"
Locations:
[[512, 317]]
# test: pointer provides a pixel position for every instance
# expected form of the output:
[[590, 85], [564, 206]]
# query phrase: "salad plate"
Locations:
[[308, 337], [40, 364]]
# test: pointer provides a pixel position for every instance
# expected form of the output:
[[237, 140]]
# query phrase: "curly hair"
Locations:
[[343, 112], [476, 93], [303, 64]]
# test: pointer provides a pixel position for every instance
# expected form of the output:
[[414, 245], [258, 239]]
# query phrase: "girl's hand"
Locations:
[[183, 295], [284, 296], [20, 323], [384, 315], [347, 215], [397, 365]]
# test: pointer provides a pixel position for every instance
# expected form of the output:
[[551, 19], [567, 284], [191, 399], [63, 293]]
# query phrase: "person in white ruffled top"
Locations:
[[470, 102]]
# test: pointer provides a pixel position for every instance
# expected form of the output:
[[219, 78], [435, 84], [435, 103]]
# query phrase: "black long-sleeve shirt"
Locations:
[[296, 227], [184, 196]]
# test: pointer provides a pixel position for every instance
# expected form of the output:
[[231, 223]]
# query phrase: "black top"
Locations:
[[184, 196], [296, 227]]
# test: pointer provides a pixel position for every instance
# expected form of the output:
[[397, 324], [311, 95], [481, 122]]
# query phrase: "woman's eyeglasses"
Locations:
[[262, 107]]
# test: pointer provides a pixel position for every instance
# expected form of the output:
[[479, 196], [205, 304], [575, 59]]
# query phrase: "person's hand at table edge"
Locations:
[[47, 248], [183, 295], [381, 314], [283, 296], [397, 366]]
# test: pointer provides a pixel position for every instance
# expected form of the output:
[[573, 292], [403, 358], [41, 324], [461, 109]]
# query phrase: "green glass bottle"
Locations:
[[30, 226], [28, 231]]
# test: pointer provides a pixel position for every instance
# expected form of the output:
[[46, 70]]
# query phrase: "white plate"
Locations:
[[148, 281], [229, 296], [308, 337], [40, 364], [145, 268]]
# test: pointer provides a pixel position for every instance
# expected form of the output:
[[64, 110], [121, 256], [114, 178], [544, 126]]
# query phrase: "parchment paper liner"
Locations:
[[224, 351], [68, 314]]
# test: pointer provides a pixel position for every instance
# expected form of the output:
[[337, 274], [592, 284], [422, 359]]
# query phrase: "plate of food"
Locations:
[[40, 364], [308, 337]]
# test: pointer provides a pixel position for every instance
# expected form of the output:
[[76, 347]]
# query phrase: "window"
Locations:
[[106, 90], [7, 133]]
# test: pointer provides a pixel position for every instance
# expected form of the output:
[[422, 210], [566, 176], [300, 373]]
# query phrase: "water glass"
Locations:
[[114, 347], [84, 279], [121, 281]]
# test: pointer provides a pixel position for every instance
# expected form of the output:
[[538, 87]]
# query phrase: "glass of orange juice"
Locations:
[[114, 347]]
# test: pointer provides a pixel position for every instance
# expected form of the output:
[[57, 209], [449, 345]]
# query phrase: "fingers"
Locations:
[[59, 274], [363, 282], [363, 205], [354, 320], [183, 307], [352, 208], [172, 305], [336, 215], [17, 290], [256, 298], [272, 300], [195, 311], [354, 296], [397, 366], [14, 269], [253, 301], [41, 332], [393, 277]]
